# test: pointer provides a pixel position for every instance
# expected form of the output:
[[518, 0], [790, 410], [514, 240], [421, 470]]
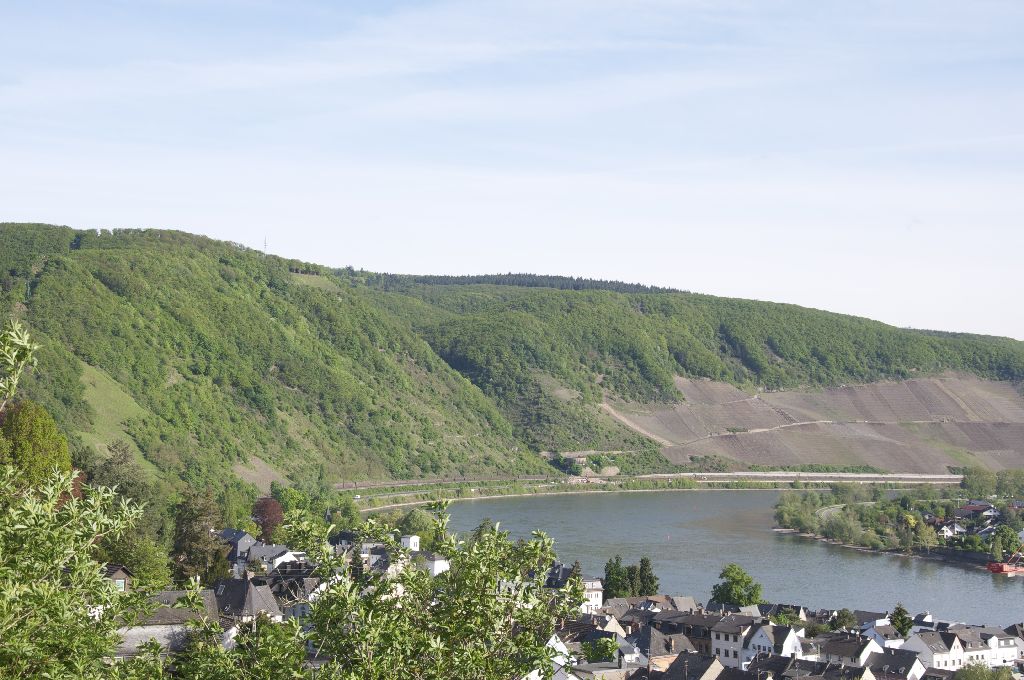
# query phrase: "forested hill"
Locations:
[[205, 355]]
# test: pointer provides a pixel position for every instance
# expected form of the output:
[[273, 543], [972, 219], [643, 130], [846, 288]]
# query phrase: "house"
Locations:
[[895, 664], [886, 636], [696, 627], [120, 575], [768, 638], [952, 529], [560, 662], [240, 542], [729, 636], [430, 562], [785, 668], [294, 585], [937, 649], [866, 619], [270, 556], [593, 594], [241, 600], [167, 624], [658, 649], [794, 610], [991, 646], [687, 667], [847, 649]]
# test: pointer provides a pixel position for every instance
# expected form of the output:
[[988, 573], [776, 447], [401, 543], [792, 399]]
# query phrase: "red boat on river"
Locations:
[[1014, 565]]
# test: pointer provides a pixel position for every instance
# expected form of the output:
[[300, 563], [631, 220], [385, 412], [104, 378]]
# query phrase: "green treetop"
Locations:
[[737, 587]]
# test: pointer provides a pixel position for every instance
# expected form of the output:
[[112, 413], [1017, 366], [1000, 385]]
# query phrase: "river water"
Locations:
[[690, 535]]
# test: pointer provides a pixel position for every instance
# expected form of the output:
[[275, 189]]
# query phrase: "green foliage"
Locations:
[[58, 613], [629, 580], [144, 557], [979, 482], [198, 552], [901, 619], [36, 445], [330, 375], [17, 352], [844, 619], [647, 581], [736, 587], [785, 617], [602, 649], [979, 671]]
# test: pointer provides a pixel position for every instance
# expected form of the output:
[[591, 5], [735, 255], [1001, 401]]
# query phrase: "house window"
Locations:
[[120, 583], [718, 652], [718, 636], [734, 654], [735, 638]]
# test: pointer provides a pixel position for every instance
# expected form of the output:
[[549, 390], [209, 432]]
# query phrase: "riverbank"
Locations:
[[962, 558], [629, 485]]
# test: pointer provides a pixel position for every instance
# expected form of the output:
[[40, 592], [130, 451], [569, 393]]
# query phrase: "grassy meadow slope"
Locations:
[[211, 358]]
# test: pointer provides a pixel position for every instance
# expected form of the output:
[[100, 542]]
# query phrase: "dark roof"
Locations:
[[266, 551], [735, 674], [938, 641], [892, 662], [653, 642], [242, 597], [110, 570], [843, 644], [686, 667], [782, 667], [1016, 629], [937, 674], [733, 624], [166, 612], [868, 617], [234, 535], [343, 537]]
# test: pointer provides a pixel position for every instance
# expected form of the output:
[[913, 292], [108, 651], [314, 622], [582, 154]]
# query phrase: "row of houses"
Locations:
[[675, 638]]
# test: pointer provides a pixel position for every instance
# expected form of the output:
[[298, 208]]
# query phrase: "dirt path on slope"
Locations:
[[625, 420]]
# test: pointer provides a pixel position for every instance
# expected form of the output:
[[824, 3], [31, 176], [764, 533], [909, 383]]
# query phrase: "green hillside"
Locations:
[[206, 355]]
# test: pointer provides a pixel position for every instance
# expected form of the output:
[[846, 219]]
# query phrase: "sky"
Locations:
[[861, 157]]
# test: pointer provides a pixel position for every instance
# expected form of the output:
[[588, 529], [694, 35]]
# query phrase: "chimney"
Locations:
[[671, 644]]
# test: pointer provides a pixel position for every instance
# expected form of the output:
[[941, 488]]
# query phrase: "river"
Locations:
[[690, 535]]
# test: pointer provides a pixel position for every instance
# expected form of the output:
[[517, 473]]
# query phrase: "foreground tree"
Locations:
[[737, 587], [17, 352], [489, 616], [58, 613]]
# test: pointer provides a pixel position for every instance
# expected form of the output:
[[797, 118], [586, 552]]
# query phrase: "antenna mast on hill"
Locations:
[[264, 246]]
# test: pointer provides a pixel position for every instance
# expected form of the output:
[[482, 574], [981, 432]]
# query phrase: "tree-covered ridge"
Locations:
[[230, 358], [225, 354], [402, 282]]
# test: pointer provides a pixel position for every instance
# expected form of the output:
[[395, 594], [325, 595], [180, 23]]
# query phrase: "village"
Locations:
[[649, 637]]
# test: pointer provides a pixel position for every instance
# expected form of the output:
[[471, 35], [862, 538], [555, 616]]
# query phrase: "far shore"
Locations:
[[779, 486], [937, 557]]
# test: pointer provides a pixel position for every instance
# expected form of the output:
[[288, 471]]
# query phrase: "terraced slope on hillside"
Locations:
[[920, 425]]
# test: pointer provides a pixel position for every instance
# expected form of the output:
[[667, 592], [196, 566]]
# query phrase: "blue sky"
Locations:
[[863, 157]]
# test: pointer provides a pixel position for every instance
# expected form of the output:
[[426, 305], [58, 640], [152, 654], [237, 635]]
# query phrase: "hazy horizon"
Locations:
[[863, 159]]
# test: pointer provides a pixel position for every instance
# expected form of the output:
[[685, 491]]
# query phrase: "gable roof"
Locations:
[[938, 641], [242, 597], [652, 642], [110, 570], [892, 662]]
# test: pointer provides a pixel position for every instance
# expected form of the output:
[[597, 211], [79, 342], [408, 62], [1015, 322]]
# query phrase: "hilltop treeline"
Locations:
[[228, 354], [404, 282]]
